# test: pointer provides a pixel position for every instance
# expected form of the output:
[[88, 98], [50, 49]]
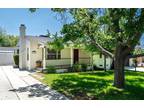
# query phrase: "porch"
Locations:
[[65, 58]]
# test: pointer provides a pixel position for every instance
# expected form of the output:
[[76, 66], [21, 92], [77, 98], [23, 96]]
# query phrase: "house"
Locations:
[[33, 49], [6, 55], [98, 61], [138, 57], [137, 60]]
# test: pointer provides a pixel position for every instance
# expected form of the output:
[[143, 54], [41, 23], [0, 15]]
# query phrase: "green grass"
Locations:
[[96, 85]]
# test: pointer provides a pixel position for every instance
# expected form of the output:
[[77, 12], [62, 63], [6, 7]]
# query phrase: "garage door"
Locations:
[[6, 58]]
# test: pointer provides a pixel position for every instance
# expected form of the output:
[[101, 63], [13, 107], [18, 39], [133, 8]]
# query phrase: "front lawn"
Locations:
[[96, 85]]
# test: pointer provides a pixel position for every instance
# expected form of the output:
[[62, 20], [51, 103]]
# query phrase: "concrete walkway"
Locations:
[[19, 85], [140, 69]]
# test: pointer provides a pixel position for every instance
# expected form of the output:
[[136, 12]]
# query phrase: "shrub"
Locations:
[[84, 67], [50, 69], [16, 59], [70, 69], [77, 67]]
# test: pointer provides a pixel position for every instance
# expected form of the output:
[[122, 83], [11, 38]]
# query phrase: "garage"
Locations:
[[6, 56]]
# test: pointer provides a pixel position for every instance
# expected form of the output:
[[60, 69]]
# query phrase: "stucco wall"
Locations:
[[65, 58], [28, 61], [84, 57], [99, 62], [65, 53], [131, 63], [35, 53]]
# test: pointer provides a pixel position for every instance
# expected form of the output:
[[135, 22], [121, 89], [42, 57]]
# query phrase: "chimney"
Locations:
[[22, 30], [22, 47]]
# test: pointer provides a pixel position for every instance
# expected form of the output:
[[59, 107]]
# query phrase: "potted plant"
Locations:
[[38, 63]]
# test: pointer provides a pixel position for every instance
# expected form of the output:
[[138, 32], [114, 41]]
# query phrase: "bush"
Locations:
[[50, 69], [84, 67], [16, 59], [70, 69], [77, 67]]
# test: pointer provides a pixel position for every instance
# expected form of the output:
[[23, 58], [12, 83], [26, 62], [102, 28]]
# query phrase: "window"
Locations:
[[53, 54], [27, 54]]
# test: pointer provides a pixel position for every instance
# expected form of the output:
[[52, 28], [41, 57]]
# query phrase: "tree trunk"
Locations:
[[119, 77]]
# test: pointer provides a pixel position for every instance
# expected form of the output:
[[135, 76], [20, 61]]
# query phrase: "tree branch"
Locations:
[[103, 50]]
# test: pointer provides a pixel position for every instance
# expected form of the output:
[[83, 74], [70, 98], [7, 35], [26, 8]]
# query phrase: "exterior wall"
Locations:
[[35, 54], [65, 58], [22, 50], [140, 61], [28, 61], [99, 62], [65, 53], [131, 63], [84, 57]]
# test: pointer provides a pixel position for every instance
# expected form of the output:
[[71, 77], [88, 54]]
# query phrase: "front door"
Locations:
[[76, 56]]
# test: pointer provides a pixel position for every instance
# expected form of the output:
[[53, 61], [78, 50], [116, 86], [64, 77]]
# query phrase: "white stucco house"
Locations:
[[33, 49]]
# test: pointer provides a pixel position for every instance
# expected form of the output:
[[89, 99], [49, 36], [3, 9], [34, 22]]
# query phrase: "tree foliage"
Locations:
[[114, 32], [57, 42], [7, 40]]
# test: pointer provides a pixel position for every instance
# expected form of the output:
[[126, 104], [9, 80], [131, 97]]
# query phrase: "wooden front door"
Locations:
[[76, 56]]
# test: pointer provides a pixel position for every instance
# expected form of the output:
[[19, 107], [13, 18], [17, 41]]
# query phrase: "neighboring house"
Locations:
[[138, 57], [139, 61], [6, 55], [98, 61], [33, 48]]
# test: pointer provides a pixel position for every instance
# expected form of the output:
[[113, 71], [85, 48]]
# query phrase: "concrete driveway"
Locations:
[[19, 85]]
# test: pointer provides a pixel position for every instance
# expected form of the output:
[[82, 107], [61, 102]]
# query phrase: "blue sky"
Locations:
[[37, 23]]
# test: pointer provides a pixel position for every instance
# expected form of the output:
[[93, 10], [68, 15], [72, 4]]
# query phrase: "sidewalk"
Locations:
[[26, 87], [140, 69]]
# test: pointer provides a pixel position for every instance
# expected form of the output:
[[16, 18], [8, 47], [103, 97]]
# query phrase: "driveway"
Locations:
[[19, 85]]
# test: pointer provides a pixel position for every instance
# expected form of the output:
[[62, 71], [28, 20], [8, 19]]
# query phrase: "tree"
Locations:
[[114, 32], [57, 42], [7, 40]]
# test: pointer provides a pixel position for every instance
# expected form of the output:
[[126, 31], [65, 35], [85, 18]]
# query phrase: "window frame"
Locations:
[[52, 54]]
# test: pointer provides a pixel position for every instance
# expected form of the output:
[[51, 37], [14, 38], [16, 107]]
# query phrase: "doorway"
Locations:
[[76, 56]]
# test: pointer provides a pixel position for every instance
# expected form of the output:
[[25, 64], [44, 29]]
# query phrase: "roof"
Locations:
[[7, 49], [40, 39]]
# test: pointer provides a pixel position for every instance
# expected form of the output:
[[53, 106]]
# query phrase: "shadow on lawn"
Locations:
[[77, 87]]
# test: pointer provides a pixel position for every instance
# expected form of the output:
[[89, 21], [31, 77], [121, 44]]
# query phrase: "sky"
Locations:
[[36, 23]]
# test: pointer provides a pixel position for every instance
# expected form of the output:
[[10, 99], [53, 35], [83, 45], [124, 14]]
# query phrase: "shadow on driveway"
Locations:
[[40, 90]]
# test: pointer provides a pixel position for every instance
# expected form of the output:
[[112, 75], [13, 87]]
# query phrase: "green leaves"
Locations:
[[57, 42], [7, 40]]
